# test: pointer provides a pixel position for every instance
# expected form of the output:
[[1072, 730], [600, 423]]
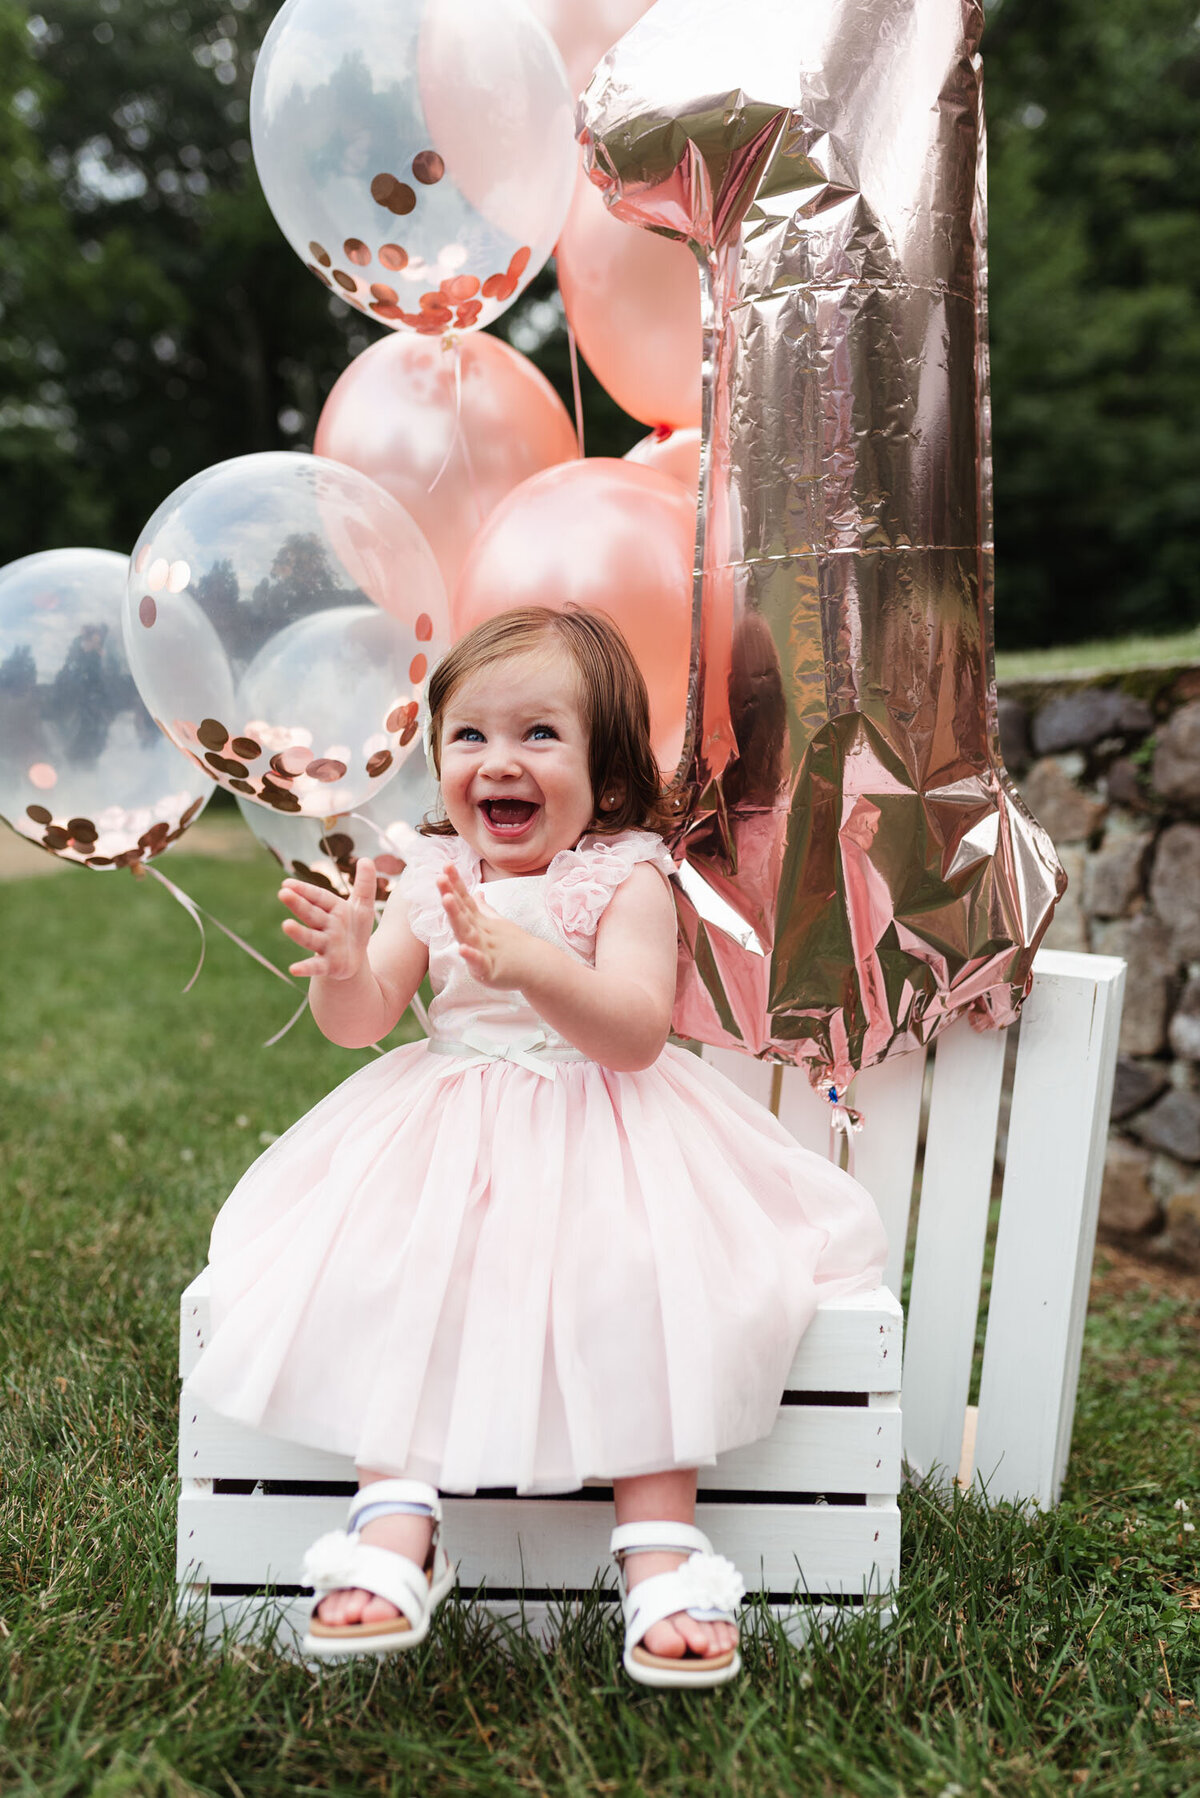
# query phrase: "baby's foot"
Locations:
[[678, 1634], [405, 1534]]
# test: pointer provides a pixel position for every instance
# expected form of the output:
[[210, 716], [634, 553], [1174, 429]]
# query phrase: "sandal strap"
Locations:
[[338, 1561], [643, 1538], [401, 1495], [707, 1586]]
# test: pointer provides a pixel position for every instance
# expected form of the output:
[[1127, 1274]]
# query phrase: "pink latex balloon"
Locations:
[[391, 415], [601, 533], [633, 302], [676, 453], [585, 29]]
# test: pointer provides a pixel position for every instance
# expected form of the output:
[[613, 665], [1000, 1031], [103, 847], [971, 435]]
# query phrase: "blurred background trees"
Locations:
[[153, 321]]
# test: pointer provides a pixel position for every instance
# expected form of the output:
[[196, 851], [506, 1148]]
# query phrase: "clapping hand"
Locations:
[[492, 946], [335, 931]]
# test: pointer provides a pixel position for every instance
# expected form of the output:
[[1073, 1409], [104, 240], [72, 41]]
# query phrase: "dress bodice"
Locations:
[[563, 906]]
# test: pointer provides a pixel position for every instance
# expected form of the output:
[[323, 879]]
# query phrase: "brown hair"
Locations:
[[616, 708]]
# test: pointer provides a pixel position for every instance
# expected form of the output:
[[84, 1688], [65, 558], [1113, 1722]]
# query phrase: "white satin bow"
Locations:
[[521, 1049]]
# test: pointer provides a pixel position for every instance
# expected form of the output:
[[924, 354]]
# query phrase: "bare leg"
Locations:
[[405, 1533], [669, 1497]]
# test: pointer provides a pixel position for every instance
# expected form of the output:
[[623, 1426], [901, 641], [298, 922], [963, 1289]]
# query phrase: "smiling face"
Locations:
[[514, 757]]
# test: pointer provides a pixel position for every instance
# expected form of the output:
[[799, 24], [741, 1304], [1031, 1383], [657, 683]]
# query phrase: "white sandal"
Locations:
[[342, 1559], [706, 1586]]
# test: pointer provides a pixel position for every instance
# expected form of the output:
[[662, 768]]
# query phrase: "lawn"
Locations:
[[1111, 655], [1031, 1655]]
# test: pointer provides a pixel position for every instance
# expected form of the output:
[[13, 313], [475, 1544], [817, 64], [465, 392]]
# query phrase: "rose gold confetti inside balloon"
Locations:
[[417, 156], [85, 771], [448, 443], [326, 851], [291, 665]]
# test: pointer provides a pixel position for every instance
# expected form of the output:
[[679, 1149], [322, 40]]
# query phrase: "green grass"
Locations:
[[1031, 1655], [1109, 655]]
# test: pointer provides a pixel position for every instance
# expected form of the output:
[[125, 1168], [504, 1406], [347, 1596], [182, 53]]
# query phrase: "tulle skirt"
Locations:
[[483, 1277]]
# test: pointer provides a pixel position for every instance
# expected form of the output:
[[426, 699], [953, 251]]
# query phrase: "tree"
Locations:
[[155, 321], [1095, 257]]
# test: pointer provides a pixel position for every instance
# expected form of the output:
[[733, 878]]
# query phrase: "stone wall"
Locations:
[[1110, 766]]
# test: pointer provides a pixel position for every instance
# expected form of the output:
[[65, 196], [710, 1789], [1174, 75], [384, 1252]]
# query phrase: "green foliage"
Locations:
[[155, 322], [1032, 1656], [154, 319], [1093, 112]]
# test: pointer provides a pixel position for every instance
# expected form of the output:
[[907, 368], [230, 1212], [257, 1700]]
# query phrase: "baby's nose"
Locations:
[[501, 761]]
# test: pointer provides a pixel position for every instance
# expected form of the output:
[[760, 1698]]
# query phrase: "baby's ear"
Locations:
[[612, 797]]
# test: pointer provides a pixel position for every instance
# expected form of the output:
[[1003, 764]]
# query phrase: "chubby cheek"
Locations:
[[457, 806]]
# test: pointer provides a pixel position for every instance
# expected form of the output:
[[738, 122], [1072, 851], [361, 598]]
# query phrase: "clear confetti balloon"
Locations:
[[418, 157], [281, 615], [84, 771], [325, 852]]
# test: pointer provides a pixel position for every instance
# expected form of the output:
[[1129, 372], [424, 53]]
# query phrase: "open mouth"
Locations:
[[508, 817]]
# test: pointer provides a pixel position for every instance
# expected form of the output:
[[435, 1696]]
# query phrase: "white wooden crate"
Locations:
[[810, 1515]]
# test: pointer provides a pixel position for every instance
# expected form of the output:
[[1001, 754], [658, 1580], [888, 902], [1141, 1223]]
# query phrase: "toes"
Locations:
[[680, 1634], [331, 1609], [378, 1610], [705, 1638], [351, 1605], [698, 1636], [663, 1638]]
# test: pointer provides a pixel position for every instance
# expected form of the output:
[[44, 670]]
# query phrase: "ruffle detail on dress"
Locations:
[[418, 884], [581, 881]]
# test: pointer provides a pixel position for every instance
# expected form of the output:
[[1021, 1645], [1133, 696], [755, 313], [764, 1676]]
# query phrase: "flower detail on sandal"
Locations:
[[329, 1564], [710, 1582]]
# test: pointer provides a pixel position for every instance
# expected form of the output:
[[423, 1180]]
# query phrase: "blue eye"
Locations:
[[467, 733], [542, 732]]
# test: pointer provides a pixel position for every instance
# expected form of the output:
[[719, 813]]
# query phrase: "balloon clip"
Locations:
[[137, 870], [843, 1121]]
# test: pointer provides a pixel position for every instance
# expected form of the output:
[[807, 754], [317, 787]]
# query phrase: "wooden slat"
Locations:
[[804, 1112], [885, 1150], [852, 1344], [889, 1096], [1056, 1145], [814, 1448], [556, 1544], [193, 1323], [943, 1304], [754, 1078]]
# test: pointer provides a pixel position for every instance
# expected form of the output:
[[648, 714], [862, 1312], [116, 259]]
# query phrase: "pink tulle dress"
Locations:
[[486, 1261]]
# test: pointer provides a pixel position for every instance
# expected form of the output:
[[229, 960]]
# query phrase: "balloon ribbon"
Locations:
[[197, 914], [459, 435], [575, 387]]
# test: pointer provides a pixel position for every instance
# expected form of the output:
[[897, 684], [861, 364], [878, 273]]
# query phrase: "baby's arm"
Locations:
[[362, 984], [619, 1012]]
